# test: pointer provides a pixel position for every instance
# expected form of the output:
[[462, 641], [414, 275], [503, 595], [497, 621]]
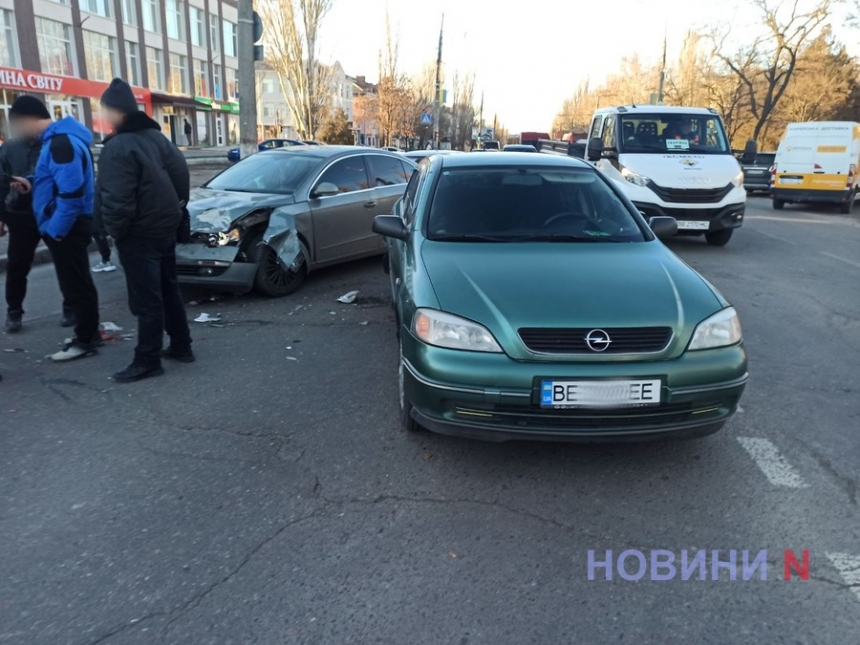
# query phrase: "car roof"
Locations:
[[329, 152], [510, 159], [654, 109]]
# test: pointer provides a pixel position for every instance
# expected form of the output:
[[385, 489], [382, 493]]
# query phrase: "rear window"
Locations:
[[265, 172], [766, 159], [501, 204]]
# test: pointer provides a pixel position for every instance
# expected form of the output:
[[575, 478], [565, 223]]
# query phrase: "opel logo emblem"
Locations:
[[598, 340]]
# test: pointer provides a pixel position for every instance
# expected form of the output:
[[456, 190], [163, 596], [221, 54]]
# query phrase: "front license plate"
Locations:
[[791, 180], [756, 172], [687, 225], [600, 394]]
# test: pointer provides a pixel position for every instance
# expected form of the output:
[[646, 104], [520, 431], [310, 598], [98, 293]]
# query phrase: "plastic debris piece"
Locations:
[[110, 326], [193, 303], [452, 555], [207, 318], [364, 323], [292, 358], [216, 324], [349, 297], [289, 346], [17, 350], [333, 313]]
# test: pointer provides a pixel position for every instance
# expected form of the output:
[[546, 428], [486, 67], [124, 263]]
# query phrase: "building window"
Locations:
[[268, 86], [151, 16], [132, 61], [268, 110], [100, 54], [201, 78], [8, 50], [175, 19], [216, 83], [214, 33], [198, 36], [231, 45], [177, 82], [232, 85], [98, 7], [129, 12], [55, 47], [155, 68]]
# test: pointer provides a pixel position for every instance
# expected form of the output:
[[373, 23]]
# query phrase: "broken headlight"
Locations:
[[231, 237]]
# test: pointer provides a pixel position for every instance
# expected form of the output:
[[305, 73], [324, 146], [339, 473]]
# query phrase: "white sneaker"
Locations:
[[104, 267], [72, 351]]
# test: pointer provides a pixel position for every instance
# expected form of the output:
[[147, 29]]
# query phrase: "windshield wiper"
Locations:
[[469, 237], [565, 237]]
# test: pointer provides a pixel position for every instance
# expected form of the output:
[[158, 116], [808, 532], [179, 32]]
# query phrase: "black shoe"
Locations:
[[69, 319], [183, 356], [136, 372], [13, 322]]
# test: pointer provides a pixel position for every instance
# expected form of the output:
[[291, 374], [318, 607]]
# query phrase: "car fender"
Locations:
[[282, 235]]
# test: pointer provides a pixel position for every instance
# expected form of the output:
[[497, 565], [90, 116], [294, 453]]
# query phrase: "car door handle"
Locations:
[[370, 204]]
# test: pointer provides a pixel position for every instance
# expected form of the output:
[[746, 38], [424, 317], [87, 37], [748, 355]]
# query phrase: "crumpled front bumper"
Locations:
[[214, 267]]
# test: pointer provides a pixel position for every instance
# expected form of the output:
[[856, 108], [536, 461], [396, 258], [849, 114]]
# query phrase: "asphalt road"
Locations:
[[266, 495]]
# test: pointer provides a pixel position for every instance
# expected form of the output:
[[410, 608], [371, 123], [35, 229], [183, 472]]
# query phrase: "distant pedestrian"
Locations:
[[143, 185], [100, 237], [188, 131], [18, 157], [63, 189]]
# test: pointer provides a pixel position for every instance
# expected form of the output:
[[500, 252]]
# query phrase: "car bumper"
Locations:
[[215, 268], [811, 196], [757, 183], [493, 397], [718, 218]]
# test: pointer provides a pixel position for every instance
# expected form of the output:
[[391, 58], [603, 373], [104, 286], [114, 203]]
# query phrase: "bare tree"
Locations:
[[765, 67], [394, 99], [463, 111], [292, 37]]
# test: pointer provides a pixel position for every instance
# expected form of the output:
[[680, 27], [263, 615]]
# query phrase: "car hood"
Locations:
[[684, 170], [214, 211], [601, 285]]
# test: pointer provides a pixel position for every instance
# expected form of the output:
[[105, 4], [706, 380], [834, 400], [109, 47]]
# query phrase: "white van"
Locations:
[[674, 161], [817, 162]]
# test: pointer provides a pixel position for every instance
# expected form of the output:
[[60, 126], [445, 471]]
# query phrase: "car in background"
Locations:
[[757, 174], [234, 154], [265, 222], [519, 147], [533, 301], [392, 149], [311, 142], [491, 145], [420, 155]]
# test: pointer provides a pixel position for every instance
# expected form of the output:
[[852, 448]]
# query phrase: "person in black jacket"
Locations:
[[143, 185]]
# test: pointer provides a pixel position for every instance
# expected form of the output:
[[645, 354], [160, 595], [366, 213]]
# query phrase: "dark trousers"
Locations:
[[72, 263], [153, 295], [23, 239], [101, 242]]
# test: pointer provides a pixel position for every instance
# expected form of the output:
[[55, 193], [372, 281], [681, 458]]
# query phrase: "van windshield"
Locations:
[[672, 133]]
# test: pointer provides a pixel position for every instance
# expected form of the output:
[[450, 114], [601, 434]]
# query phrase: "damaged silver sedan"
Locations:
[[270, 219]]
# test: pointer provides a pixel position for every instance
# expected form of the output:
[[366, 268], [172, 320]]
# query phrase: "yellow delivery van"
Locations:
[[817, 162]]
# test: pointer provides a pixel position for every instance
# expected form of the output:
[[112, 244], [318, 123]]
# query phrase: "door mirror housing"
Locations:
[[663, 226], [325, 189], [390, 226], [595, 149], [750, 153]]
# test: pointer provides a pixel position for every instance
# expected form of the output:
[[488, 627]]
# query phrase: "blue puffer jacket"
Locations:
[[63, 186]]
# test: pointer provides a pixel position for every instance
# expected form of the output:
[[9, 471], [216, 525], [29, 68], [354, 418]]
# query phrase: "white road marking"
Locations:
[[836, 257], [849, 568], [774, 466], [776, 237]]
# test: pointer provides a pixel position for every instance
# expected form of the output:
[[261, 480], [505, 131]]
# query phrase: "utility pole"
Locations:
[[662, 74], [247, 80], [495, 126], [437, 104]]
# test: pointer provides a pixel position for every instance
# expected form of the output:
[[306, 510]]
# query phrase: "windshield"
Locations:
[[509, 204], [265, 173], [672, 133]]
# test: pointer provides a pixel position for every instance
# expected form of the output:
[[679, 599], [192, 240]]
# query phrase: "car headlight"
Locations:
[[738, 180], [233, 236], [720, 330], [446, 330], [634, 177]]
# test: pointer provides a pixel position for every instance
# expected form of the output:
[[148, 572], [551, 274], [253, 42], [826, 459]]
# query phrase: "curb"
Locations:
[[43, 255]]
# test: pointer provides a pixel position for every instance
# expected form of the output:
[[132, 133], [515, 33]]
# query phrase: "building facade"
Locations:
[[178, 55]]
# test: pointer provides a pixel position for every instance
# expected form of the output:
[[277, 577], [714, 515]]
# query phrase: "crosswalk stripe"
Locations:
[[849, 568], [774, 466]]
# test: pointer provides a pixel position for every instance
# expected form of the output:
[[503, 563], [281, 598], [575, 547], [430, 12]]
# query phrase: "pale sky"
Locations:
[[527, 55]]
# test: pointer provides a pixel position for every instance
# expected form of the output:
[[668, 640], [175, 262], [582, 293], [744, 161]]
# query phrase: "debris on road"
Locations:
[[109, 330], [292, 358], [16, 350], [363, 323], [349, 297], [207, 318]]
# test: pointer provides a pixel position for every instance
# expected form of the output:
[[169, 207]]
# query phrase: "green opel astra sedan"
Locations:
[[533, 301]]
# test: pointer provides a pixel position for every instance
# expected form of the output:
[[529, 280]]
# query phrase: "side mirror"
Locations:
[[595, 149], [325, 189], [750, 153], [390, 226], [663, 226]]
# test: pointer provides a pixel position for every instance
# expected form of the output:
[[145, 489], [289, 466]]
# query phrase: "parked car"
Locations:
[[310, 142], [268, 220], [519, 147], [419, 155], [757, 174], [533, 301], [234, 154], [392, 149]]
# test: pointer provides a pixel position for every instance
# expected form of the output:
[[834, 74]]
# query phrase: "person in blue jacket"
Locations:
[[63, 190]]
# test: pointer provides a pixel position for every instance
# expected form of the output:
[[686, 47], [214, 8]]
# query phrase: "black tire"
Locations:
[[271, 279], [845, 207], [406, 421], [778, 204], [719, 238]]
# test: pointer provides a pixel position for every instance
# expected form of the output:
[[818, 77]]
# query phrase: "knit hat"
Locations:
[[27, 105], [119, 96]]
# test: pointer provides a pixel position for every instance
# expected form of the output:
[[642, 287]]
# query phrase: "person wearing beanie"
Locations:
[[63, 188], [143, 186]]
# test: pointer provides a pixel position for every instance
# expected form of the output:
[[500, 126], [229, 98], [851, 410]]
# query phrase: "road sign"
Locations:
[[258, 27], [426, 119]]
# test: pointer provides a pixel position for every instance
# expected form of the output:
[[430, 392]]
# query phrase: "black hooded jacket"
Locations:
[[18, 158], [143, 181]]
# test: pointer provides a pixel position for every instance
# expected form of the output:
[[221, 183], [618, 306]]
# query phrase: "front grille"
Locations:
[[204, 271], [691, 195], [624, 340]]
